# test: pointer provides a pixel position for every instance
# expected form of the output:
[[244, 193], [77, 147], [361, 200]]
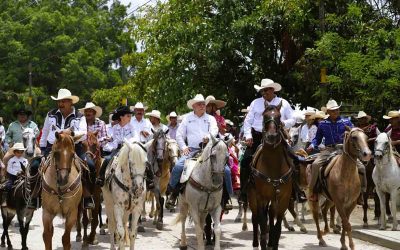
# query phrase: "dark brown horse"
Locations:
[[92, 146], [270, 192], [62, 188]]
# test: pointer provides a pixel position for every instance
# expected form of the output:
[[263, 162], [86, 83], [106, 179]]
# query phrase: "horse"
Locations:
[[270, 192], [162, 154], [29, 141], [17, 201], [203, 192], [124, 192], [386, 176], [343, 183], [92, 146], [62, 187]]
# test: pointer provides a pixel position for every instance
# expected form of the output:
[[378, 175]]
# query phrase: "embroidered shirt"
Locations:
[[332, 132], [139, 126], [14, 165], [394, 135], [119, 134], [99, 126]]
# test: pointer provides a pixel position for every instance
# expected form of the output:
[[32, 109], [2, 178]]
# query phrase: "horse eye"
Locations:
[[354, 138]]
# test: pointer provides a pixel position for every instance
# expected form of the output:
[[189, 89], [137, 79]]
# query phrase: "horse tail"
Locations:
[[178, 219]]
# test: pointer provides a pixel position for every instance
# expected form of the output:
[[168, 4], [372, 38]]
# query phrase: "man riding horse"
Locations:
[[332, 130], [253, 125]]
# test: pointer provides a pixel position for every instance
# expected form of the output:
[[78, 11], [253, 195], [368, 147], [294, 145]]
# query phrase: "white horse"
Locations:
[[29, 141], [386, 176], [124, 192], [203, 192]]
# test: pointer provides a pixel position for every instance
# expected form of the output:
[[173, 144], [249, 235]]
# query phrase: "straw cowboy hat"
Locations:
[[196, 99], [17, 146], [172, 114], [246, 110], [65, 94], [1, 119], [218, 103], [309, 111], [154, 113], [268, 83], [229, 122], [332, 105], [91, 105], [121, 111], [319, 115], [362, 114], [138, 105], [392, 114]]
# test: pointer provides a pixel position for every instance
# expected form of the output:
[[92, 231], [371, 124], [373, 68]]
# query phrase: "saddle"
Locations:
[[322, 185]]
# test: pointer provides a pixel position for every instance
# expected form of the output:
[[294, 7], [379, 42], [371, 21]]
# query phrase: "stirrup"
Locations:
[[170, 204], [99, 181]]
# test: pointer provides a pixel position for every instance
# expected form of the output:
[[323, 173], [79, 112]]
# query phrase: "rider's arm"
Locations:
[[248, 122], [45, 133], [287, 114], [181, 134], [80, 129], [318, 138], [9, 134], [35, 129], [213, 129]]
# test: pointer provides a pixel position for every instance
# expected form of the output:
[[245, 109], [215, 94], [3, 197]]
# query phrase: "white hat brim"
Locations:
[[153, 115], [334, 108], [99, 110], [389, 117], [276, 86], [218, 103], [191, 102], [74, 98]]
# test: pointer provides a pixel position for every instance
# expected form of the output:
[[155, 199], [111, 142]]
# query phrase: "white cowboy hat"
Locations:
[[172, 114], [65, 94], [138, 105], [229, 122], [91, 105], [1, 119], [309, 111], [154, 113], [196, 99], [362, 114], [392, 114], [332, 105], [268, 83], [218, 103], [246, 110], [16, 146]]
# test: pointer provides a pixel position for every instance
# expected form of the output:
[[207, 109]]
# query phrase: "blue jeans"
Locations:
[[178, 169]]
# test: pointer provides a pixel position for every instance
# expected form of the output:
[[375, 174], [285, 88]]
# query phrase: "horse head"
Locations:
[[272, 128], [172, 152], [92, 144], [158, 146], [356, 144], [28, 139], [216, 152], [383, 146], [136, 155], [63, 154]]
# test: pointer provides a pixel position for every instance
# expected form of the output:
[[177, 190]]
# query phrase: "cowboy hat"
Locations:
[[319, 115], [1, 119], [392, 114], [362, 114], [121, 111], [332, 105], [172, 114], [309, 111], [246, 110], [22, 111], [17, 146], [138, 105], [229, 122], [65, 94], [91, 105], [154, 113], [218, 103], [196, 99], [268, 83]]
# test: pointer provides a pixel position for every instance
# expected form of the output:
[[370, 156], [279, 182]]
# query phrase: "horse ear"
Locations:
[[228, 142], [166, 132], [279, 105], [127, 143], [148, 144], [152, 130], [347, 128], [57, 134], [213, 139], [389, 134], [77, 137], [96, 133]]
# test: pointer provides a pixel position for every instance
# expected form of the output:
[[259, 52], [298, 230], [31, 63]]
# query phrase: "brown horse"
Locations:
[[62, 188], [92, 146], [272, 181], [343, 183]]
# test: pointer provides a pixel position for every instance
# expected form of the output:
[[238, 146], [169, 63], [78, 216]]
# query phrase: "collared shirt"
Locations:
[[14, 131], [254, 119], [14, 165], [162, 126], [394, 135], [2, 133], [307, 134], [109, 129], [119, 134], [143, 125], [99, 126], [194, 129], [372, 131], [332, 132], [56, 122], [172, 131]]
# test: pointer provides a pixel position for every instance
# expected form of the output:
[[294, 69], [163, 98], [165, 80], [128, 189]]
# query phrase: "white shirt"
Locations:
[[194, 129], [303, 135], [50, 127], [254, 118], [109, 129], [162, 126], [143, 125], [119, 134], [2, 133], [14, 165]]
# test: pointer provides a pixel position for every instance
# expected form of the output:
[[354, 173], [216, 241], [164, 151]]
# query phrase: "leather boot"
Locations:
[[149, 178], [300, 196], [171, 201], [4, 195]]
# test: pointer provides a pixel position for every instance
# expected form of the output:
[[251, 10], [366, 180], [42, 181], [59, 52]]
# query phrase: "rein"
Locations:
[[345, 149]]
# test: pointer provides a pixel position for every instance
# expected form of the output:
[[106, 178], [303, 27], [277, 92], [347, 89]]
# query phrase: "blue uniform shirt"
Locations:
[[333, 132]]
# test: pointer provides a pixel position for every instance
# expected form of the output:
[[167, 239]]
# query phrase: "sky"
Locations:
[[134, 3]]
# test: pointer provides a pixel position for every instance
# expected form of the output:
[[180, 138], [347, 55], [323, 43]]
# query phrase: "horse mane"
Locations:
[[138, 156]]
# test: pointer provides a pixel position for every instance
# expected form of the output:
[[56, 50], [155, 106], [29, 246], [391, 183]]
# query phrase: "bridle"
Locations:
[[278, 126], [93, 148], [386, 148], [352, 144]]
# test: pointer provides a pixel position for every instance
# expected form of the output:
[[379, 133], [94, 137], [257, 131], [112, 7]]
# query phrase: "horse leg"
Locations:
[[69, 223], [78, 224], [85, 222], [244, 225], [198, 224], [240, 212], [23, 227], [48, 230], [324, 211], [348, 226], [286, 224], [133, 230], [314, 206], [393, 208], [388, 213], [345, 223], [94, 221], [262, 218], [120, 227], [152, 210], [377, 210], [217, 228], [182, 217], [294, 213], [277, 232], [382, 198], [7, 218], [208, 230]]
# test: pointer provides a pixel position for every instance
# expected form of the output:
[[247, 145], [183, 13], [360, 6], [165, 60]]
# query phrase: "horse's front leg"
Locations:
[[133, 229], [382, 199], [198, 224], [120, 227], [314, 206], [69, 224], [48, 230], [217, 227], [393, 208], [182, 216]]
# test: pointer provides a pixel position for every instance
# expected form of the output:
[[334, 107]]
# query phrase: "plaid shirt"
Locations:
[[99, 126]]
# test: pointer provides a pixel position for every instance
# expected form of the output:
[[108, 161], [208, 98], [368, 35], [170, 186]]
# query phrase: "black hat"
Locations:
[[22, 111], [121, 111]]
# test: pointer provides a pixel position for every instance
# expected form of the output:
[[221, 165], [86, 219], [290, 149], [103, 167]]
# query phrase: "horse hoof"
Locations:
[[102, 231], [10, 247], [336, 231], [244, 228], [376, 218], [140, 229], [25, 248], [154, 222], [3, 244], [304, 230], [159, 225], [291, 229], [322, 243], [209, 243], [382, 228], [365, 225], [78, 238], [238, 220], [343, 248], [394, 229], [183, 247], [390, 219]]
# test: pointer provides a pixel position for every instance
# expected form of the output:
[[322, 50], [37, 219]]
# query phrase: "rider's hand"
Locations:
[[249, 142], [145, 133], [310, 149], [186, 151]]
